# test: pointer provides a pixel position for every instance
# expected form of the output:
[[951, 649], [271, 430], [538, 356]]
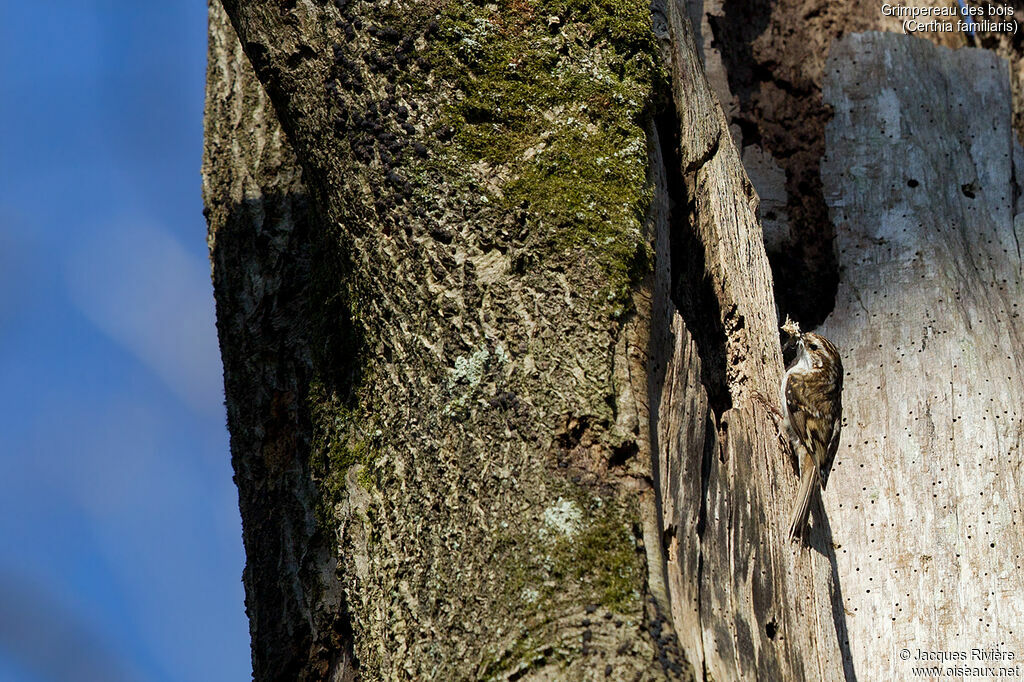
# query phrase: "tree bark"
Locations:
[[921, 178], [260, 226], [491, 355]]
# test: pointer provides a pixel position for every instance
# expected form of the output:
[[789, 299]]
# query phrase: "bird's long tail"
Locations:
[[809, 482]]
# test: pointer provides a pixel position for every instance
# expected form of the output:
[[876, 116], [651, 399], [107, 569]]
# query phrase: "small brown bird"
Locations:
[[812, 416]]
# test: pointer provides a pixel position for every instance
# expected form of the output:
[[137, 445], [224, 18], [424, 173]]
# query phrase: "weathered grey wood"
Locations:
[[925, 501], [746, 603]]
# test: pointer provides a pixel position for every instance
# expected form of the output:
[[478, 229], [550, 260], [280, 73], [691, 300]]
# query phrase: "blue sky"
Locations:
[[120, 540]]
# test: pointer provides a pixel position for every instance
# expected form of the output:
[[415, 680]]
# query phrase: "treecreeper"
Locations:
[[812, 414]]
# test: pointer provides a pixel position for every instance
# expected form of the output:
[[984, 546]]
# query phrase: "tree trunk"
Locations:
[[261, 220], [491, 354], [925, 501]]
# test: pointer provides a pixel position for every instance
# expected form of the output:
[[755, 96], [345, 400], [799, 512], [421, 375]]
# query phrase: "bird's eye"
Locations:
[[814, 346]]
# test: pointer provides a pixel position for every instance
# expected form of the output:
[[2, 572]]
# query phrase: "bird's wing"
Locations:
[[818, 432], [830, 454]]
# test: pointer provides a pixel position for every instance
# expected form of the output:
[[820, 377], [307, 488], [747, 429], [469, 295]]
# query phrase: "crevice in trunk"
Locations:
[[691, 289], [659, 353], [781, 111], [664, 366], [805, 269], [684, 288], [705, 474]]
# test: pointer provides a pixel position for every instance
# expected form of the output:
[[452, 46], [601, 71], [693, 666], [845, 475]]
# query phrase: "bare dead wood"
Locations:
[[747, 604], [925, 499]]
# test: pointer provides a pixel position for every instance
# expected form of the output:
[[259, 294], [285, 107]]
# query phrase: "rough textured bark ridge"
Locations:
[[475, 436], [260, 226], [924, 500]]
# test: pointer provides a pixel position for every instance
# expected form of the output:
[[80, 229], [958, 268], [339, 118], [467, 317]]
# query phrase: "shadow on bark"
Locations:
[[262, 282], [822, 543]]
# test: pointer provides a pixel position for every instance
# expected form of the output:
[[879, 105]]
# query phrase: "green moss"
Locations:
[[603, 558], [583, 551], [592, 560], [338, 444], [554, 96]]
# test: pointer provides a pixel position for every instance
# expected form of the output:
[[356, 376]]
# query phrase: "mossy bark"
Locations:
[[444, 334], [472, 447]]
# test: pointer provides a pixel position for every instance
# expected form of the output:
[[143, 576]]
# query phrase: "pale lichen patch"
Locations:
[[562, 518], [469, 369]]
